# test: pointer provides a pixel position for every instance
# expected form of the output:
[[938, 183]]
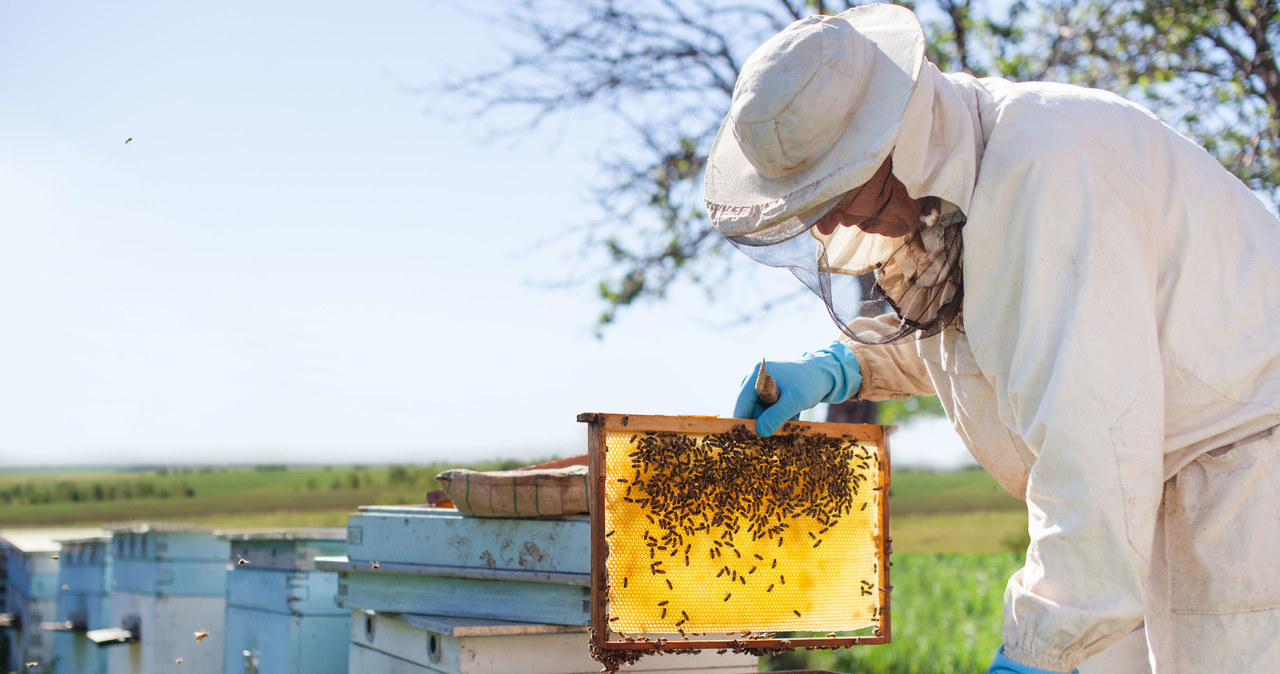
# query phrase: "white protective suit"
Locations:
[[1118, 366]]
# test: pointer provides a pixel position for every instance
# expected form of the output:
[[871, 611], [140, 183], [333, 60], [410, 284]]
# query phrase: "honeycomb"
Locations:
[[696, 544]]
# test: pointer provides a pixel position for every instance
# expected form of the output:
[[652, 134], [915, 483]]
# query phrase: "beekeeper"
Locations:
[[1094, 299]]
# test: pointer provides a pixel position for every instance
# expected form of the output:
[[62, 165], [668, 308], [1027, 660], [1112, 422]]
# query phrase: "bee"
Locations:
[[66, 587], [128, 140], [241, 561], [374, 565], [796, 612], [55, 557], [178, 660], [201, 634], [726, 597]]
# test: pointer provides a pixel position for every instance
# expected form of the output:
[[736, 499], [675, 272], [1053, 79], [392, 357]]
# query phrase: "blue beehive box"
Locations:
[[169, 583], [416, 559], [438, 592], [281, 614], [83, 603], [32, 561]]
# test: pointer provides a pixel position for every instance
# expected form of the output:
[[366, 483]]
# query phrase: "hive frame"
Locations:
[[604, 639]]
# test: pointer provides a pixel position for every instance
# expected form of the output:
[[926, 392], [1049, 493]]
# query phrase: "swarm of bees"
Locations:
[[689, 486]]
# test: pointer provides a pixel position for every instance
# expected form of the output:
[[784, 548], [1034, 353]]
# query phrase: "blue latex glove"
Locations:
[[1003, 665], [828, 375]]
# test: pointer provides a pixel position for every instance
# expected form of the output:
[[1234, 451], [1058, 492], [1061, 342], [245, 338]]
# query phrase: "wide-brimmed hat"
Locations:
[[816, 110]]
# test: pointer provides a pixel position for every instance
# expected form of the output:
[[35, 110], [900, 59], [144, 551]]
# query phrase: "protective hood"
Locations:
[[917, 276]]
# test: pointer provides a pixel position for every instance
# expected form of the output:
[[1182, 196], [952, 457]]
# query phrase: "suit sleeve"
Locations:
[[889, 370]]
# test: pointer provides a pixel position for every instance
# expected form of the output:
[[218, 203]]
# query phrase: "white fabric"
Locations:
[[815, 111], [1121, 295]]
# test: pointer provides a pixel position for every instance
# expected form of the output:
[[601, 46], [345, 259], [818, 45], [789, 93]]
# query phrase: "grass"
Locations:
[[917, 492], [226, 496], [946, 613]]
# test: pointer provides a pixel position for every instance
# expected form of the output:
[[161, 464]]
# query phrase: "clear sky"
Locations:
[[289, 261]]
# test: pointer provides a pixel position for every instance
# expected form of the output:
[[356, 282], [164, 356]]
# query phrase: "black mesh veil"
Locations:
[[916, 275]]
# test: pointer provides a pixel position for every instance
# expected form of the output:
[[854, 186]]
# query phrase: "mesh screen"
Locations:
[[731, 532], [917, 276]]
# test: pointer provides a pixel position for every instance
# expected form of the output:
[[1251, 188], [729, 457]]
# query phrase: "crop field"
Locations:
[[957, 537], [273, 495]]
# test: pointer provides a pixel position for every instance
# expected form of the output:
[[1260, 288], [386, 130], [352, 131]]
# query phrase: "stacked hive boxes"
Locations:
[[169, 584], [83, 603], [436, 591], [32, 586], [281, 616]]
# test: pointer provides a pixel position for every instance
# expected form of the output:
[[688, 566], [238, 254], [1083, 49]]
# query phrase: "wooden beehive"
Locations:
[[705, 536]]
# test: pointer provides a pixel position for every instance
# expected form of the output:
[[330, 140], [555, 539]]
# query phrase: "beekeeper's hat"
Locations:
[[815, 111]]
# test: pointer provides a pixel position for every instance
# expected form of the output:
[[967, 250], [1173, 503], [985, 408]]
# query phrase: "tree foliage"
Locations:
[[666, 68], [1208, 68]]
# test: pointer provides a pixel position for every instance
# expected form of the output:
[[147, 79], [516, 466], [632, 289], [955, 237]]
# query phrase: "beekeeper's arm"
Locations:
[[835, 374], [1061, 304]]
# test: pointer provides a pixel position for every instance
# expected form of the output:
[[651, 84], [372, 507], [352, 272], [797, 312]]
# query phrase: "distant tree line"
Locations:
[[66, 491], [402, 483]]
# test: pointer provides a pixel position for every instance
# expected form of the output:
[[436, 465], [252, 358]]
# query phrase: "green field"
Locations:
[[957, 537], [946, 615], [249, 496]]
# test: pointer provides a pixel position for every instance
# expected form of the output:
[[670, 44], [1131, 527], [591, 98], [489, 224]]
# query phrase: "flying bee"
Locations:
[[201, 634]]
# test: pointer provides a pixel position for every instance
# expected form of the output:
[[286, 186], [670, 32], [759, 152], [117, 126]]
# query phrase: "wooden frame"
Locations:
[[604, 639]]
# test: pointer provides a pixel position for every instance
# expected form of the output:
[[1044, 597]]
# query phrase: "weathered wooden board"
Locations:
[[404, 643], [519, 601], [283, 592], [284, 643], [441, 536]]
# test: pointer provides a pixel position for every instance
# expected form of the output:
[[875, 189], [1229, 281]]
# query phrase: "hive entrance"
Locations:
[[706, 536]]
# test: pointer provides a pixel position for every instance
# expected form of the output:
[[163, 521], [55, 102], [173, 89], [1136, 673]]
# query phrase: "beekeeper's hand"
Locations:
[[827, 375], [1003, 665]]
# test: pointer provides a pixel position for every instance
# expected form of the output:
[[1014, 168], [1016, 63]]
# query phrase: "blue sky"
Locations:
[[291, 262]]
